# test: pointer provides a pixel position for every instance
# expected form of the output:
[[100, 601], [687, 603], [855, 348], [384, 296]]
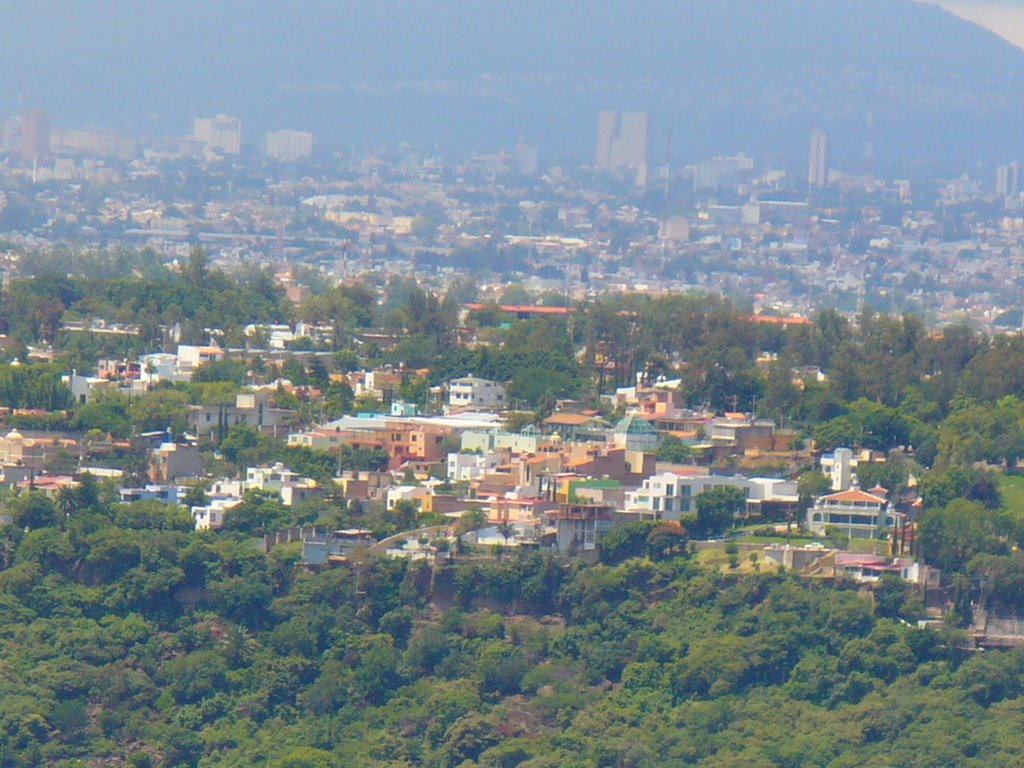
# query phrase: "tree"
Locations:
[[950, 536], [34, 510], [108, 412], [624, 542], [161, 409], [811, 485], [197, 266], [717, 509], [939, 488], [666, 540], [240, 437], [674, 450], [307, 757]]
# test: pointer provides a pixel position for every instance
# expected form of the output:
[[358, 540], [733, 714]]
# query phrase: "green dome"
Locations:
[[633, 424]]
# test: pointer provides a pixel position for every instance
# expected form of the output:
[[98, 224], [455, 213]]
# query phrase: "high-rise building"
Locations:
[[622, 142], [817, 166], [98, 142], [527, 159], [289, 146], [1008, 180], [713, 173], [222, 132], [35, 135]]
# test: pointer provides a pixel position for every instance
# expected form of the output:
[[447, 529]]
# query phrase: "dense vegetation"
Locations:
[[127, 637]]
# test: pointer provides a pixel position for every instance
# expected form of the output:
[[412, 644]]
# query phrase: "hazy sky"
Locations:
[[1004, 17]]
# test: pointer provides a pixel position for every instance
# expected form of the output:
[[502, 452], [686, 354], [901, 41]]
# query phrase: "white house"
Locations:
[[414, 493], [211, 516], [669, 495], [472, 392], [191, 357], [469, 466], [855, 513]]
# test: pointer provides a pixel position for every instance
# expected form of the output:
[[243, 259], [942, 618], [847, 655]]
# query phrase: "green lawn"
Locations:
[[797, 540], [1012, 488]]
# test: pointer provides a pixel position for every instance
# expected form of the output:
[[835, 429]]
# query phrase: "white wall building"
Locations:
[[211, 516], [222, 132], [289, 146], [192, 357], [473, 392], [463, 467], [838, 467], [668, 496], [854, 513], [413, 493]]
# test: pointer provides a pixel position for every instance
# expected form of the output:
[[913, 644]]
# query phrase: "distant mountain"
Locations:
[[730, 75]]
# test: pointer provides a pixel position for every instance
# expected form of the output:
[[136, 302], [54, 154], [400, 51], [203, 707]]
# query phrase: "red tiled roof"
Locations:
[[522, 309], [854, 496]]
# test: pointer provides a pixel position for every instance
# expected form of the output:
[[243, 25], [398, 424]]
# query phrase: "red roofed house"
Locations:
[[856, 513]]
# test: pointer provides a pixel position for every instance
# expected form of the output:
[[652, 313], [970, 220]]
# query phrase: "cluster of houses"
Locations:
[[562, 484]]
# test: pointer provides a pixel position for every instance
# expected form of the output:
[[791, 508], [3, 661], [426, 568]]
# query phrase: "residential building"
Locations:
[[34, 450], [473, 393], [634, 433], [84, 388], [838, 467], [280, 480], [853, 513], [580, 527], [577, 427], [413, 493], [210, 517], [169, 494], [463, 467], [742, 432], [254, 408], [119, 370], [337, 546], [870, 568], [529, 440], [173, 461], [191, 357], [670, 495]]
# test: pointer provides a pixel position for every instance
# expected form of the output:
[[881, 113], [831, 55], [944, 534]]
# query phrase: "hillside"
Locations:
[[129, 640]]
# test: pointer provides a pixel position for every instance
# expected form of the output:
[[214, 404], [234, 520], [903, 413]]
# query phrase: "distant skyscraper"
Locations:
[[527, 159], [622, 142], [713, 173], [35, 135], [222, 132], [607, 129], [289, 146], [817, 166], [1008, 180]]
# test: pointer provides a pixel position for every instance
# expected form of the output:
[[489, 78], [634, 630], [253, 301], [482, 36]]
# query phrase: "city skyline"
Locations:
[[517, 73]]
